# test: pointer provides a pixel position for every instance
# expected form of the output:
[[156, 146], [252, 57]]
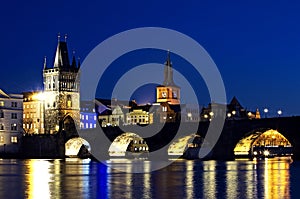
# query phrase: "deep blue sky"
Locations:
[[255, 44]]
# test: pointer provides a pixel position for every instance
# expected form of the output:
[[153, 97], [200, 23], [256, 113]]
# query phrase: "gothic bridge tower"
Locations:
[[61, 89]]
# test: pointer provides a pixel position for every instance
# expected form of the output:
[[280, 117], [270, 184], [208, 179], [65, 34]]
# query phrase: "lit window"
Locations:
[[69, 101], [1, 103], [94, 125], [95, 117], [14, 139], [1, 139], [164, 109], [86, 117], [13, 127], [86, 125], [91, 125], [24, 115]]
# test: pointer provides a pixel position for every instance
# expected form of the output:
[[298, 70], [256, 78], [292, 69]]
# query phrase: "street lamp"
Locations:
[[266, 111], [229, 115], [249, 114], [279, 112]]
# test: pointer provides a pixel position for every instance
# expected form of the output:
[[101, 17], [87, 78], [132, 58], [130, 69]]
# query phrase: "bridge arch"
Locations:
[[77, 146], [265, 142], [179, 146], [127, 143]]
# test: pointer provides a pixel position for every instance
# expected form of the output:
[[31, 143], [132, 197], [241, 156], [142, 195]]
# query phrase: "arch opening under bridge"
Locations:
[[128, 144], [263, 143]]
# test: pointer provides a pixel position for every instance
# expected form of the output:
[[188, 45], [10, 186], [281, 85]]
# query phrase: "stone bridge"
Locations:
[[233, 131], [160, 136]]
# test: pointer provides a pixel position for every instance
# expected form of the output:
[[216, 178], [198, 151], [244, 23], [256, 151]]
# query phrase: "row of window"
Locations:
[[87, 109], [86, 117], [13, 139], [13, 127], [29, 106], [137, 120], [13, 104], [13, 115], [87, 125]]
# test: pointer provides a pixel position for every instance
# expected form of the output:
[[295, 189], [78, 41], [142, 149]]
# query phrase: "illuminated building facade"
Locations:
[[139, 116], [33, 112], [88, 116], [61, 89], [11, 119]]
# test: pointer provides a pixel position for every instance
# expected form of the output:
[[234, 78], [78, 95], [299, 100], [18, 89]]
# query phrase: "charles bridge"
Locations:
[[53, 146]]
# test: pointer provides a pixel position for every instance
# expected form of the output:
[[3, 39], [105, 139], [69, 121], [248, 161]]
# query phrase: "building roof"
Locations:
[[3, 94], [61, 59], [168, 73]]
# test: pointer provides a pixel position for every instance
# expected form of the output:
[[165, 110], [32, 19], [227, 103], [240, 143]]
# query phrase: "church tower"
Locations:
[[168, 91], [61, 89]]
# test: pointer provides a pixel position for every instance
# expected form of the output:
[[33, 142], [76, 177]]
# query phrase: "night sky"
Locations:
[[255, 44]]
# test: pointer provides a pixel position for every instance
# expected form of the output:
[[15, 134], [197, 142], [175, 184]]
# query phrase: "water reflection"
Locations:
[[38, 179], [268, 178], [276, 179]]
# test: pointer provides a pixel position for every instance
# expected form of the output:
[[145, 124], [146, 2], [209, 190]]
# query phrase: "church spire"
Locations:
[[168, 72]]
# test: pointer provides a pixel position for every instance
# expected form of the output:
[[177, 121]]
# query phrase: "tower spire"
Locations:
[[58, 37], [45, 62], [78, 61], [168, 72], [61, 56], [168, 58], [73, 60]]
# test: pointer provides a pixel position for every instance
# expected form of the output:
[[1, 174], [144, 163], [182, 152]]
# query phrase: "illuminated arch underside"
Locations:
[[179, 146], [244, 146], [121, 143], [72, 146]]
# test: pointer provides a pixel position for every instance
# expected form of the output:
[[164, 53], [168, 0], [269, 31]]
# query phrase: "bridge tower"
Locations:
[[168, 91], [61, 89]]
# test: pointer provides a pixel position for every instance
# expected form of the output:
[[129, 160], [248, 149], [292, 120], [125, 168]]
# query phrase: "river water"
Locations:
[[74, 178]]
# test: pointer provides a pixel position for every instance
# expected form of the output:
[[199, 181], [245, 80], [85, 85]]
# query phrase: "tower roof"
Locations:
[[168, 72], [61, 55]]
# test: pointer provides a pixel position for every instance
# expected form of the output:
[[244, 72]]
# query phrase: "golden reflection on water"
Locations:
[[277, 179], [268, 178], [209, 179], [38, 179]]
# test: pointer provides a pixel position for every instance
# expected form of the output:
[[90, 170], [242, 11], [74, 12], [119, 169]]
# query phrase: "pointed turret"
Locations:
[[45, 63], [61, 56], [78, 65], [168, 73], [73, 60]]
